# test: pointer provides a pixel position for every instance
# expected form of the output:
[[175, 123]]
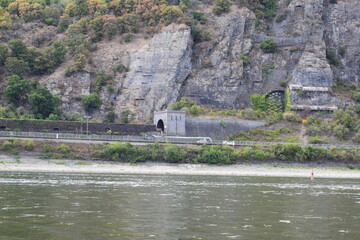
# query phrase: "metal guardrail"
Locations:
[[94, 137]]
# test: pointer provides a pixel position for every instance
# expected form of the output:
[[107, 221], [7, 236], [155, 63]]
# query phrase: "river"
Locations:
[[112, 206]]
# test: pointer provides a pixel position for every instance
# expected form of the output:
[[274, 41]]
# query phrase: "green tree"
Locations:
[[81, 7], [17, 90], [268, 45], [17, 47], [17, 66], [43, 103], [44, 63], [129, 23], [59, 51], [4, 53], [91, 102]]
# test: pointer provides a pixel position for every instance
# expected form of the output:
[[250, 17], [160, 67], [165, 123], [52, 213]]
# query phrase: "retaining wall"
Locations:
[[216, 129], [73, 127]]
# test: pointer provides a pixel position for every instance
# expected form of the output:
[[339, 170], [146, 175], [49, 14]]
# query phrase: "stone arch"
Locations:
[[160, 125]]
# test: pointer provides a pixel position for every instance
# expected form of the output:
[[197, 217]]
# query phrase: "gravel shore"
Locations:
[[33, 164]]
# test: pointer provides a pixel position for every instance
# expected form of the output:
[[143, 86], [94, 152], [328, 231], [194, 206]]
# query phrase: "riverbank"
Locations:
[[33, 164]]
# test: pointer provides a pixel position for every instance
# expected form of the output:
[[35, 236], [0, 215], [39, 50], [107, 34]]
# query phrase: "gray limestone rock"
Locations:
[[157, 72]]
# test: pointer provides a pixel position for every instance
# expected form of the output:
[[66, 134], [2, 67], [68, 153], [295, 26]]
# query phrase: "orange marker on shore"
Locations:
[[312, 175]]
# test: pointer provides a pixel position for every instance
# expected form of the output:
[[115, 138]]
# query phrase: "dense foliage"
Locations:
[[37, 99], [184, 154]]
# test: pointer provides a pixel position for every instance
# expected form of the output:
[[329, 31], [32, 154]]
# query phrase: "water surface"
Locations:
[[112, 206]]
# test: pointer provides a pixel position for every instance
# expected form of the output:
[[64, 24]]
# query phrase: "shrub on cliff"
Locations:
[[91, 102], [269, 45], [221, 6], [332, 57], [110, 117]]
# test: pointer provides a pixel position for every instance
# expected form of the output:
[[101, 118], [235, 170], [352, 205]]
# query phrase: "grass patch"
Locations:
[[82, 163], [62, 163]]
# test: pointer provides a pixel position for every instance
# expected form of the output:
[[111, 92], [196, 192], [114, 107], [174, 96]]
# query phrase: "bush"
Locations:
[[49, 21], [313, 131], [255, 154], [169, 14], [126, 116], [183, 103], [47, 152], [53, 117], [101, 79], [356, 95], [200, 35], [356, 139], [317, 140], [195, 110], [331, 57], [75, 117], [281, 17], [287, 152], [128, 37], [199, 16], [64, 149], [268, 45], [10, 145], [91, 102], [28, 145], [341, 132], [258, 102], [221, 6], [217, 155], [43, 103], [245, 59], [4, 54], [129, 23], [250, 114], [17, 66], [18, 48], [291, 117], [174, 154], [125, 153], [110, 117], [313, 153]]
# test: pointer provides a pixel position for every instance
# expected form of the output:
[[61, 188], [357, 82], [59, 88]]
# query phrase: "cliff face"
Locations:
[[169, 65]]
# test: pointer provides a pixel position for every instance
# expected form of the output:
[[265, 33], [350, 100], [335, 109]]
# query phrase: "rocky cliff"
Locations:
[[170, 65]]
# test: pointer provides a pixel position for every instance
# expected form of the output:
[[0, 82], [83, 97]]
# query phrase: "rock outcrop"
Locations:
[[169, 65], [157, 72]]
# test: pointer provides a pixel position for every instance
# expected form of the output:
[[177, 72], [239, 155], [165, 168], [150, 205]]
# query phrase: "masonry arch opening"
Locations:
[[160, 125]]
